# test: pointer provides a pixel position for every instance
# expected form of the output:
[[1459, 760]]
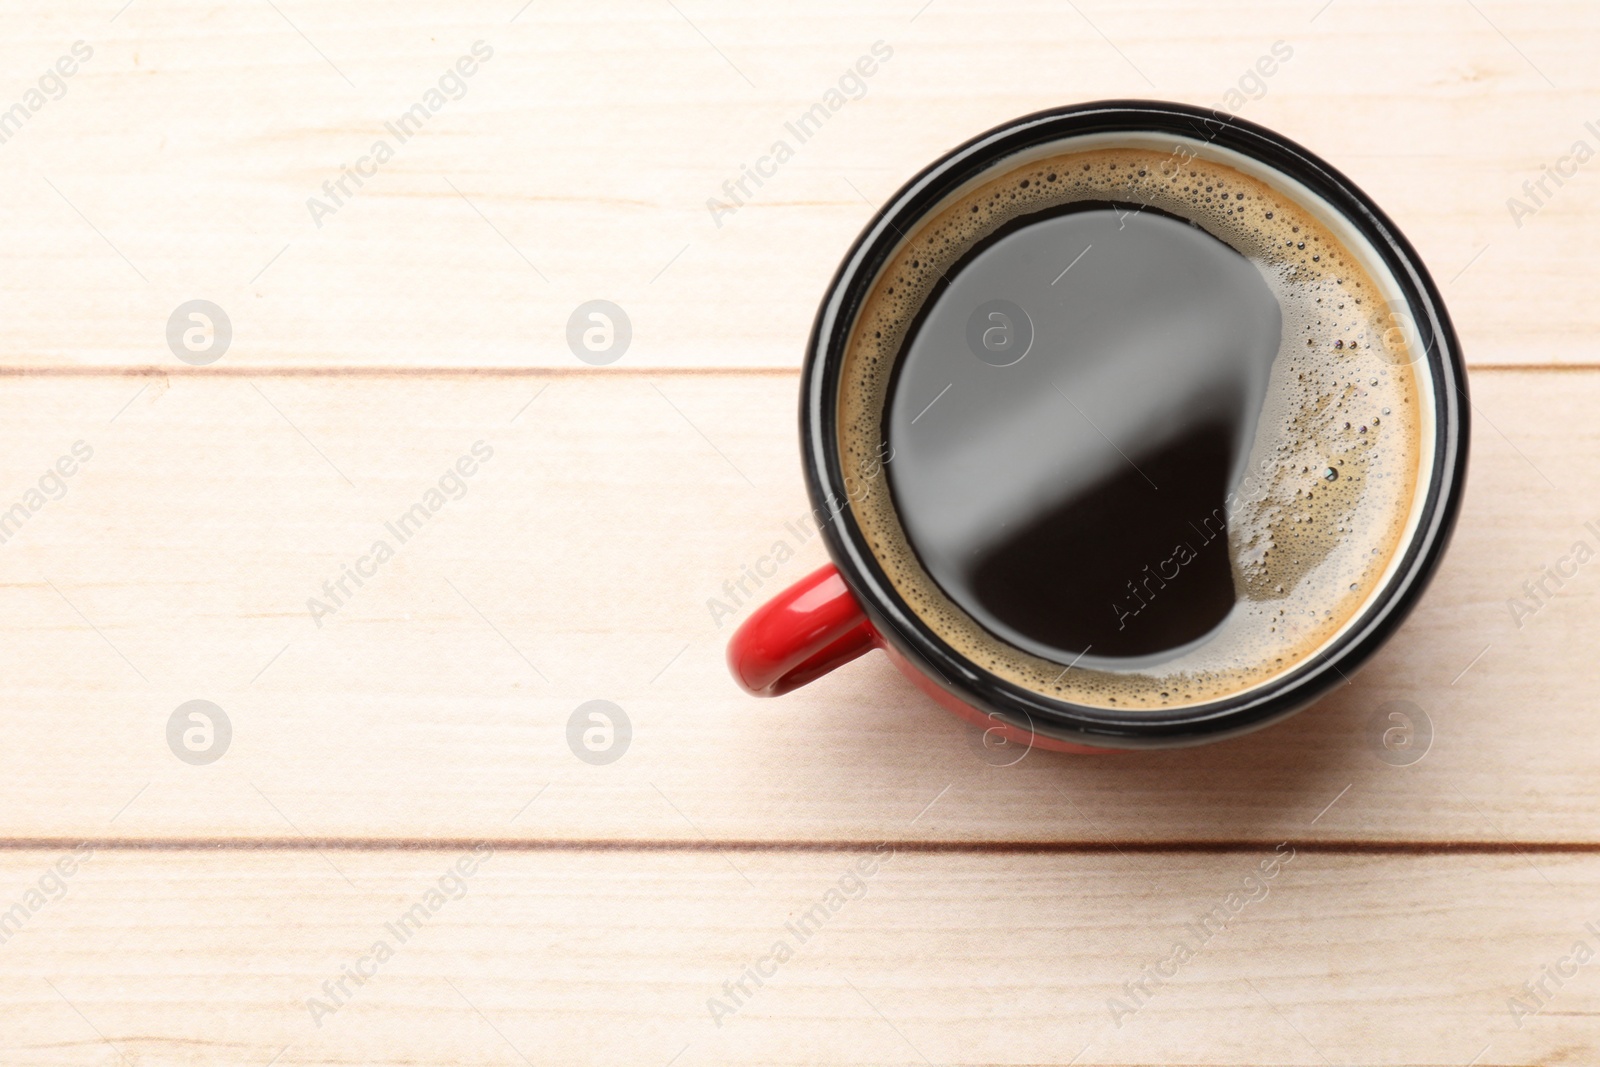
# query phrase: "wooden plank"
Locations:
[[435, 701], [615, 958], [578, 162]]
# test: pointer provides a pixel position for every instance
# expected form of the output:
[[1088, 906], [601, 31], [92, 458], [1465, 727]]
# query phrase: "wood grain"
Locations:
[[579, 565], [427, 715], [612, 959], [578, 161]]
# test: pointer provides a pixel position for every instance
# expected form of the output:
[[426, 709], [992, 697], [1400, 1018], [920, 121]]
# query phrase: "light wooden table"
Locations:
[[163, 912]]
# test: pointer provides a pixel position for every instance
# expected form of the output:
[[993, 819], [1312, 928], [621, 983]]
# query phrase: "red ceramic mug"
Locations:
[[849, 607]]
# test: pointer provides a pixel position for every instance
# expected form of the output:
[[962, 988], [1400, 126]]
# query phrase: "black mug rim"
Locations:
[[1251, 708]]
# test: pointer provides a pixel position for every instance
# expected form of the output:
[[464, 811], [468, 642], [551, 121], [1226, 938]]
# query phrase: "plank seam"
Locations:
[[1064, 847]]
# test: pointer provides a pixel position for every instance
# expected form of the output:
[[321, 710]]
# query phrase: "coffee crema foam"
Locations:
[[1331, 477]]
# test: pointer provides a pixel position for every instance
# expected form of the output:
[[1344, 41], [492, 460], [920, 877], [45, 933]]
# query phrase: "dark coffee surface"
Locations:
[[1068, 418], [1131, 428]]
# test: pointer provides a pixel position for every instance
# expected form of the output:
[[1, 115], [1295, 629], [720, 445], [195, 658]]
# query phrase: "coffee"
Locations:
[[1151, 434]]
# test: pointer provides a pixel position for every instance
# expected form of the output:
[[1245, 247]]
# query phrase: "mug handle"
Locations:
[[801, 634]]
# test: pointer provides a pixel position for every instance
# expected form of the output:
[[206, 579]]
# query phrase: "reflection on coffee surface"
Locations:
[[1146, 417]]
